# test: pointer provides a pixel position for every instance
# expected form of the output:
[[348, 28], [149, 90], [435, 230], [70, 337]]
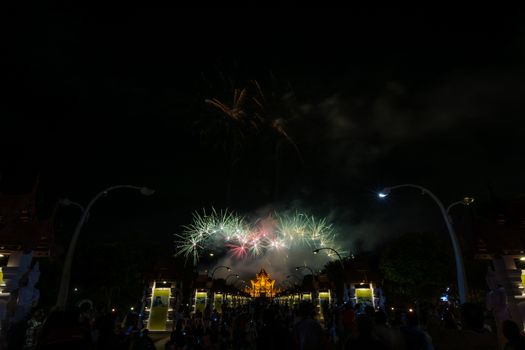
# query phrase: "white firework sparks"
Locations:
[[227, 231]]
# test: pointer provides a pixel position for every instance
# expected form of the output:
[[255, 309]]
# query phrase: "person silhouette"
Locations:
[[511, 331], [158, 302]]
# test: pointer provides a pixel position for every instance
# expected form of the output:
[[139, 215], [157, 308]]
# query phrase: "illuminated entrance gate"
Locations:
[[159, 307], [324, 301], [363, 293], [218, 300], [201, 300]]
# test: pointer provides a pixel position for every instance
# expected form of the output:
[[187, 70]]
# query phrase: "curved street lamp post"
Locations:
[[305, 267], [290, 284], [230, 275], [294, 275], [311, 271], [219, 267], [63, 291], [242, 282], [460, 268], [316, 251]]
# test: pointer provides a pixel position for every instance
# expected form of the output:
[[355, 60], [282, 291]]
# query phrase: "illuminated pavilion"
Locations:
[[262, 286]]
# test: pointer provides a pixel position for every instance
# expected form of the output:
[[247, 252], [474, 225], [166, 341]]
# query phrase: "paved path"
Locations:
[[159, 344], [160, 339]]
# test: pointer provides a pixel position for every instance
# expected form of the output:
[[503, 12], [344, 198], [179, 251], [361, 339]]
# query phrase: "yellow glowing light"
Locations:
[[410, 310], [263, 285], [163, 282], [468, 200], [522, 258], [113, 310], [392, 308]]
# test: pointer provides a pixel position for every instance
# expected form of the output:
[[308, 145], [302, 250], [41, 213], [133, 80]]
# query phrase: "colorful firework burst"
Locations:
[[225, 231]]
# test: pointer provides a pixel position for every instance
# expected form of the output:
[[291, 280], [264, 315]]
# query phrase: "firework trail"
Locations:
[[225, 231]]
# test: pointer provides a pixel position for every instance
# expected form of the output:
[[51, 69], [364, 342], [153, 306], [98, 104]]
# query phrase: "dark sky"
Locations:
[[370, 98]]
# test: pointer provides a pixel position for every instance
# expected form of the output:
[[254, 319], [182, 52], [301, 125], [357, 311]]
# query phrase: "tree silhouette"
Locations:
[[417, 265]]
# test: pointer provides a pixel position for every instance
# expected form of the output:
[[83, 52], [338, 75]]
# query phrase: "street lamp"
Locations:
[[67, 202], [242, 282], [63, 290], [290, 285], [460, 268], [219, 267], [316, 251], [464, 201], [304, 267], [230, 275], [297, 268]]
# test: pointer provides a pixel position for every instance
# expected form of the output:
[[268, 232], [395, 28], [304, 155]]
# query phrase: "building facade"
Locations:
[[262, 286], [500, 241], [24, 235]]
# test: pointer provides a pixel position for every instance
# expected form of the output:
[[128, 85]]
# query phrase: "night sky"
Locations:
[[370, 98]]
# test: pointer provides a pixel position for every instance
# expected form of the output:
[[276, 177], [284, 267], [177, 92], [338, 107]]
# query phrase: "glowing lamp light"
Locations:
[[76, 289], [146, 191], [211, 254], [385, 192], [392, 308], [132, 308], [468, 200], [113, 310], [2, 255], [163, 282], [522, 258], [410, 310]]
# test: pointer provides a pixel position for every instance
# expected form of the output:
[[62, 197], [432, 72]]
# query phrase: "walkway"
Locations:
[[160, 339]]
